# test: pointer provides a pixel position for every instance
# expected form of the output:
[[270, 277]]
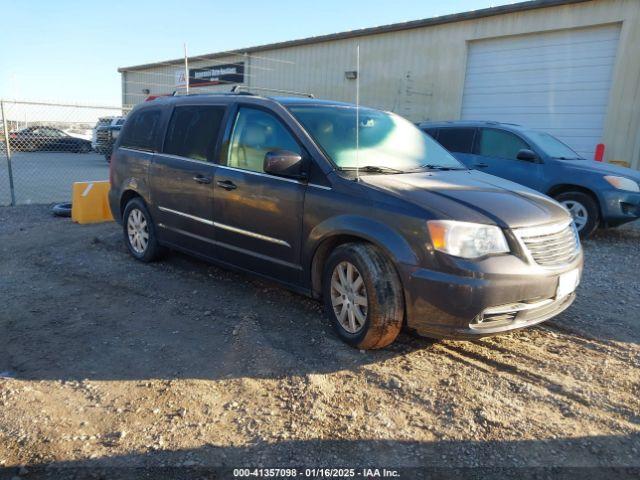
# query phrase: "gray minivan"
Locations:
[[347, 204]]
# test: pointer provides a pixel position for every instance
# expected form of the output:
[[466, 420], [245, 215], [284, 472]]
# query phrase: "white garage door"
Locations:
[[557, 82]]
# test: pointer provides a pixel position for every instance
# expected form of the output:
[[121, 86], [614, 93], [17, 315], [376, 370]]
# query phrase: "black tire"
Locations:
[[384, 295], [589, 205], [61, 210], [152, 249], [84, 148]]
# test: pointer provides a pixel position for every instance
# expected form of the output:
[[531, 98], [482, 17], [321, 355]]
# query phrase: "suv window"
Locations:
[[498, 143], [432, 132], [193, 131], [255, 133], [140, 130], [458, 140]]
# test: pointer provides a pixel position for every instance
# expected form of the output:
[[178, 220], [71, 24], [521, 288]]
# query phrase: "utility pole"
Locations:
[[186, 68], [8, 150]]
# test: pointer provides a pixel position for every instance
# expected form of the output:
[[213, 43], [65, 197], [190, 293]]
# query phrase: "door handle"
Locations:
[[227, 184], [480, 165], [202, 179]]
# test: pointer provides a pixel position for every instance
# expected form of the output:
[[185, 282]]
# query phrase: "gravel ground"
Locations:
[[107, 363]]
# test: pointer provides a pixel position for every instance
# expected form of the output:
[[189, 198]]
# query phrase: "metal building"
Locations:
[[570, 67]]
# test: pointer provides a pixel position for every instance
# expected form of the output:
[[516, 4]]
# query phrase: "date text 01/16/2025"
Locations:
[[315, 473]]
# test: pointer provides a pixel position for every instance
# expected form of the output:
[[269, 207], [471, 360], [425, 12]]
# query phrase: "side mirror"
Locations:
[[283, 163], [527, 155]]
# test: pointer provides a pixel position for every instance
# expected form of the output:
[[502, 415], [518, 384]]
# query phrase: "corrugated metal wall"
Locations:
[[420, 73]]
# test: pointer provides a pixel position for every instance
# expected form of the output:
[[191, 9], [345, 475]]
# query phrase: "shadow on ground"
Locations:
[[598, 458]]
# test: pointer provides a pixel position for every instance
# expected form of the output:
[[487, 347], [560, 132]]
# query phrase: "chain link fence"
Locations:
[[45, 147]]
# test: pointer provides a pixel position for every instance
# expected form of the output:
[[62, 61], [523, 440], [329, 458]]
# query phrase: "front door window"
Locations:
[[500, 144], [256, 133]]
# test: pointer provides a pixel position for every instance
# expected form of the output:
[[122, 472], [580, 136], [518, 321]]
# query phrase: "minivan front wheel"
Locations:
[[583, 209], [139, 231], [363, 296]]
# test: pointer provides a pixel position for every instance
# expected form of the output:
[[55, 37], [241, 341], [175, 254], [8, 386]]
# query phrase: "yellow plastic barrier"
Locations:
[[90, 202]]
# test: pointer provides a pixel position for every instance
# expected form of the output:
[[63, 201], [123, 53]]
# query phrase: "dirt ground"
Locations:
[[106, 362]]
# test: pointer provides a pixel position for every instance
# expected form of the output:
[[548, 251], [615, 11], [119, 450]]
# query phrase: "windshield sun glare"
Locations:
[[386, 140]]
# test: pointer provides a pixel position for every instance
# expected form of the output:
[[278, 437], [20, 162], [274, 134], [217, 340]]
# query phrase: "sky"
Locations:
[[69, 51]]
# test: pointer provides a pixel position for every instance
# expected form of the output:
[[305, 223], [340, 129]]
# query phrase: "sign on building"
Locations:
[[215, 75]]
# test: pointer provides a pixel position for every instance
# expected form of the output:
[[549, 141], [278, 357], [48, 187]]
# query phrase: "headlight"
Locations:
[[622, 183], [467, 240]]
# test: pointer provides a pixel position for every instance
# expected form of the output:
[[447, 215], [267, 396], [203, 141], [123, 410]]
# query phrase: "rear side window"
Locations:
[[141, 129], [459, 140], [193, 131], [498, 143]]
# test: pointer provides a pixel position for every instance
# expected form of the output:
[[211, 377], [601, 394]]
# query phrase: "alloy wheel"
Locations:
[[349, 297], [578, 211], [138, 231]]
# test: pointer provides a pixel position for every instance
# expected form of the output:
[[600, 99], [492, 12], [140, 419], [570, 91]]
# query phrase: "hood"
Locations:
[[471, 196], [601, 168]]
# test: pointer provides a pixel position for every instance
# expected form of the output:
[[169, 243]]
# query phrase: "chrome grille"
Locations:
[[103, 135], [551, 246]]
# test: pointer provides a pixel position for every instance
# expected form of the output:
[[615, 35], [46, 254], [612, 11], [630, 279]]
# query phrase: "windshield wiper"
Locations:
[[442, 168], [569, 158], [374, 169]]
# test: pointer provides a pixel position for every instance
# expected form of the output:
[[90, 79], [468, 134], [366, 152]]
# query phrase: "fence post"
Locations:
[[8, 149]]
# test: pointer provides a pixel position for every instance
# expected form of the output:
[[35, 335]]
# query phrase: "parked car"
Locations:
[[84, 133], [597, 194], [385, 226], [40, 138], [106, 137], [98, 144]]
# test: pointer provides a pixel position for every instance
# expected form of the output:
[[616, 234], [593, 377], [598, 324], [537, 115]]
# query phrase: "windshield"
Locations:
[[553, 147], [387, 143]]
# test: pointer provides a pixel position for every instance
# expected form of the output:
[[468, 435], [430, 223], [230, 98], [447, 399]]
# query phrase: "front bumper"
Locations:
[[619, 207], [504, 293]]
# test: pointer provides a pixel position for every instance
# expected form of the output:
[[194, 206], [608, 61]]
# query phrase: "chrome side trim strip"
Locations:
[[223, 226], [188, 234], [136, 150], [186, 215], [186, 159], [260, 174], [315, 185], [248, 233], [259, 255], [234, 248]]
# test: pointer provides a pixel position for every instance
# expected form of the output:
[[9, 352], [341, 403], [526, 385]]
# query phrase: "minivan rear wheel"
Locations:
[[363, 296], [583, 209], [139, 231]]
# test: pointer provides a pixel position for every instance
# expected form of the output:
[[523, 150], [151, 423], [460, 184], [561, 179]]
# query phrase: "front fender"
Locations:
[[376, 232]]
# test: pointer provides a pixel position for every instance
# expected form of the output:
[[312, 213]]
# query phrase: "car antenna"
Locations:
[[358, 113]]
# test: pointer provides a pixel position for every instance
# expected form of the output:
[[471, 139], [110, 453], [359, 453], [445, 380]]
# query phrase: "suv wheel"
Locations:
[[139, 231], [363, 296], [583, 209]]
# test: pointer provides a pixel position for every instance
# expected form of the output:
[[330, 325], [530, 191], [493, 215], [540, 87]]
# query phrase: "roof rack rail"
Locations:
[[244, 90]]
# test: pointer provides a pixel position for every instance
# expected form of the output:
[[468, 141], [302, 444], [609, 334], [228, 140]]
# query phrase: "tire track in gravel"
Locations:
[[587, 341], [595, 369], [517, 373], [540, 353]]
